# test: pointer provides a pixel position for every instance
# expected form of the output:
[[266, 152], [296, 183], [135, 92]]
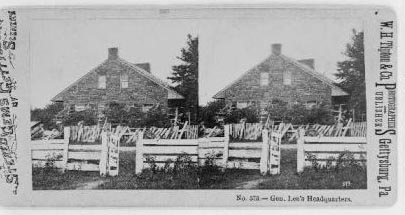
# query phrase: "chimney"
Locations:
[[144, 66], [309, 62], [113, 53], [276, 48]]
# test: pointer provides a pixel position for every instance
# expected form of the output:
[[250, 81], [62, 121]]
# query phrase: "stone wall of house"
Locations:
[[140, 89], [304, 87]]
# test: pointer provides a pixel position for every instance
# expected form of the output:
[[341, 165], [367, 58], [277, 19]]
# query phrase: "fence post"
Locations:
[[226, 148], [139, 154], [264, 158], [66, 137], [104, 154], [300, 151]]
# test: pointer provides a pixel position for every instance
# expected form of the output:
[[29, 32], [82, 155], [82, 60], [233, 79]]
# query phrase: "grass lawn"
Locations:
[[203, 178]]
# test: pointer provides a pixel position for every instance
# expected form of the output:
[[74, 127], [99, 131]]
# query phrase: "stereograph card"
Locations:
[[254, 105]]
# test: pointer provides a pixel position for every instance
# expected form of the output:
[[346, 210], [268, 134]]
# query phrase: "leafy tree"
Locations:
[[298, 114], [185, 76], [117, 113], [155, 117], [208, 114], [88, 117], [248, 113], [47, 114], [351, 73]]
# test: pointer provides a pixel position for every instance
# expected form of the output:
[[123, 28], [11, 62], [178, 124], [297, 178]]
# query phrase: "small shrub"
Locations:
[[88, 117], [249, 114], [50, 161], [47, 115], [314, 161], [151, 160], [347, 160]]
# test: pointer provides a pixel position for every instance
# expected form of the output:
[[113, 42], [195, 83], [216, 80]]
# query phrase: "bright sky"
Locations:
[[62, 51]]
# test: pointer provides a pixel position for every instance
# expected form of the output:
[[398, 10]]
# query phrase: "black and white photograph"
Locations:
[[199, 106], [292, 95], [109, 88], [134, 121]]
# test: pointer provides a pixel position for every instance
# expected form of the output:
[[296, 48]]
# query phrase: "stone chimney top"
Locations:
[[309, 62], [276, 48], [113, 53]]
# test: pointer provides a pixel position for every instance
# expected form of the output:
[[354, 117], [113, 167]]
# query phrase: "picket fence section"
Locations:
[[325, 150], [91, 134], [247, 131]]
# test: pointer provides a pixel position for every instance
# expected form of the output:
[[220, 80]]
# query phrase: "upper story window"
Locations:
[[287, 76], [264, 79], [101, 81], [124, 80]]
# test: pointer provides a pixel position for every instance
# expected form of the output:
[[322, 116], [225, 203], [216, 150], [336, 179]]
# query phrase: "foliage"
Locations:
[[154, 117], [117, 113], [88, 117], [298, 114], [235, 116], [47, 114], [351, 73], [344, 160], [205, 177], [208, 114], [185, 76]]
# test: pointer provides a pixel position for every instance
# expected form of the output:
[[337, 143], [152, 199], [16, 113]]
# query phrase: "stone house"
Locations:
[[119, 81], [281, 79]]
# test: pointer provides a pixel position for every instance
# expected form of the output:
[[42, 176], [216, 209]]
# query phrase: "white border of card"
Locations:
[[380, 57]]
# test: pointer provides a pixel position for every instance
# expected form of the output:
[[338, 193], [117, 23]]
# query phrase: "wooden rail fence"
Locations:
[[327, 149], [65, 156], [224, 154], [264, 156]]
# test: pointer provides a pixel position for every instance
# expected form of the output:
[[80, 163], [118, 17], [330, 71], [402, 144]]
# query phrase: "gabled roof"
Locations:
[[336, 91], [172, 94]]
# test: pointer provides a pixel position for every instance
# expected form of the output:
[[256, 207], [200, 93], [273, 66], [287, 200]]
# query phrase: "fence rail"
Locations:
[[324, 150], [65, 156], [264, 155], [217, 149]]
